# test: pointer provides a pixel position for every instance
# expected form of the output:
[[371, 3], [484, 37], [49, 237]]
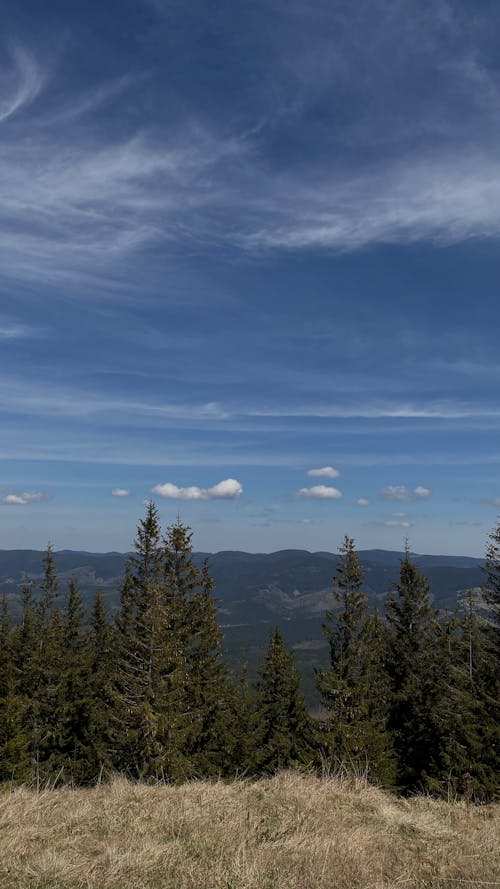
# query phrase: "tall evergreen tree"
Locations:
[[100, 659], [412, 666], [11, 738], [354, 689], [73, 702], [142, 628], [284, 733]]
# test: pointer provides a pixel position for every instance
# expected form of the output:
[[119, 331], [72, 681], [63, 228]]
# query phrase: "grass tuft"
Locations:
[[287, 832]]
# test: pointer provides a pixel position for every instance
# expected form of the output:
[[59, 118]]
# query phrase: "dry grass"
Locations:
[[288, 832]]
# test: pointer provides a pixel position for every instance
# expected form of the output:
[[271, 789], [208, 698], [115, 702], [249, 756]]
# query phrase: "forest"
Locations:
[[409, 698]]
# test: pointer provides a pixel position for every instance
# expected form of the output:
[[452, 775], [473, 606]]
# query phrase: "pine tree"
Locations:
[[40, 653], [412, 666], [208, 688], [142, 629], [354, 689], [467, 719], [284, 734], [11, 741], [100, 659], [72, 737], [492, 569]]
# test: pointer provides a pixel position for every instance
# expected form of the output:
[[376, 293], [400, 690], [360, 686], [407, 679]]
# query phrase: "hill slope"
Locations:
[[286, 832]]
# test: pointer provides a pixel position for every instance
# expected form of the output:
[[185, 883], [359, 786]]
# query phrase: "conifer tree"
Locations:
[[41, 655], [142, 629], [284, 734], [354, 689], [11, 740], [208, 688], [412, 665], [100, 659], [467, 718], [492, 568], [73, 701]]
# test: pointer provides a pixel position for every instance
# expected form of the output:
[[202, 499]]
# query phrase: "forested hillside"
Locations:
[[409, 694]]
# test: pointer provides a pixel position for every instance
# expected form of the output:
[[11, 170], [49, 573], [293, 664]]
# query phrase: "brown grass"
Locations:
[[287, 832]]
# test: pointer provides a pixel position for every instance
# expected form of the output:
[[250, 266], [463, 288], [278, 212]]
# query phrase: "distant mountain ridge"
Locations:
[[291, 588]]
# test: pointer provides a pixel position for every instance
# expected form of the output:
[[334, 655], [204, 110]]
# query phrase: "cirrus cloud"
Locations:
[[227, 489], [320, 492]]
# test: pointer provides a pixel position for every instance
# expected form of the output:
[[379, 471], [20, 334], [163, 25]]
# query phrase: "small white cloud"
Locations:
[[393, 523], [227, 489], [320, 492], [24, 498], [420, 491], [396, 492], [363, 501], [120, 492], [400, 515], [324, 472], [307, 521]]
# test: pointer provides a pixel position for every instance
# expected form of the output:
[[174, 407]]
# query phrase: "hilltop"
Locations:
[[290, 831]]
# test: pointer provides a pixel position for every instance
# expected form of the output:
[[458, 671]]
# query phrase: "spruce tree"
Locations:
[[467, 719], [284, 734], [354, 689], [142, 629], [100, 660], [74, 702], [11, 736], [412, 666]]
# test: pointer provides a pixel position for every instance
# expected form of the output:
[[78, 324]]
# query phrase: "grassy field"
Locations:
[[287, 832]]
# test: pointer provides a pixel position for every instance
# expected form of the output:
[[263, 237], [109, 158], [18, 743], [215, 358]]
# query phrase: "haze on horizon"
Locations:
[[249, 264]]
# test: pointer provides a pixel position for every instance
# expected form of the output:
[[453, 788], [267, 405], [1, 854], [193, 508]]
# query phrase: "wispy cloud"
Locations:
[[14, 331], [401, 492], [24, 498], [22, 81], [393, 523], [120, 492], [86, 199], [228, 489], [363, 501]]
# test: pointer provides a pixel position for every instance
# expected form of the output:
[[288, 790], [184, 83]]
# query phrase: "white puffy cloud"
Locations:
[[420, 491], [324, 472], [120, 492], [396, 492], [320, 492], [363, 501], [227, 489], [23, 499]]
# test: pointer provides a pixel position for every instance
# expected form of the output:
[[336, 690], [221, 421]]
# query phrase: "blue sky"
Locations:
[[244, 242]]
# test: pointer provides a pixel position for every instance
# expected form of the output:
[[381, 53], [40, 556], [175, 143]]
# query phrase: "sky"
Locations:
[[249, 266]]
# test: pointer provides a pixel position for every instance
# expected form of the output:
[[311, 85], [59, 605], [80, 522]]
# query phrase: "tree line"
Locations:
[[410, 698]]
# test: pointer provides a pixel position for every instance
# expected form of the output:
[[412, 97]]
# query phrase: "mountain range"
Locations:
[[255, 591]]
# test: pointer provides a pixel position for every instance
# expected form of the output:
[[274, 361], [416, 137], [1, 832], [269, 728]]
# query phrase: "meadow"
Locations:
[[289, 831]]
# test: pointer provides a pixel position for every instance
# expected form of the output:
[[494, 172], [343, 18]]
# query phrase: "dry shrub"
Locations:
[[287, 832]]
